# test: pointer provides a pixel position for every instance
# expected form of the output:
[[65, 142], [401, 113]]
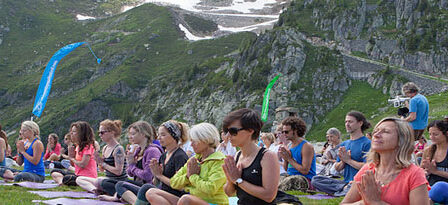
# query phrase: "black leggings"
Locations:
[[23, 176], [69, 177], [108, 185]]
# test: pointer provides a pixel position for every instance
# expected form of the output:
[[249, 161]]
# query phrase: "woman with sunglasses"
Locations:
[[143, 134], [202, 176], [82, 156], [112, 162], [30, 154], [389, 176], [254, 172]]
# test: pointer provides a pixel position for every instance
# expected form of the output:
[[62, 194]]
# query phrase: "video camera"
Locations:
[[399, 102]]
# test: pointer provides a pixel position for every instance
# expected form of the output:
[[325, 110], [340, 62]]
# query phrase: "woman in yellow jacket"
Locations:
[[202, 176]]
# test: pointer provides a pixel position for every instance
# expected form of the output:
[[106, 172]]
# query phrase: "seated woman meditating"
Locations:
[[202, 176], [30, 154], [389, 176], [53, 152], [3, 147], [143, 134], [82, 156], [171, 134], [435, 157], [254, 173], [330, 154], [112, 162]]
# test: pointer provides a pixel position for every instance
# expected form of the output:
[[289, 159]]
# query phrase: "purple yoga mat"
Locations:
[[34, 185], [50, 181], [67, 201], [72, 194], [317, 196]]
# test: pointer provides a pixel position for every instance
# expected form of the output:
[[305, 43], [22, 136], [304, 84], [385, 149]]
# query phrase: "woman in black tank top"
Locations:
[[435, 157], [254, 173]]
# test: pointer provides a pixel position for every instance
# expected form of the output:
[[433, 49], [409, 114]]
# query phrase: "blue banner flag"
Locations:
[[47, 78]]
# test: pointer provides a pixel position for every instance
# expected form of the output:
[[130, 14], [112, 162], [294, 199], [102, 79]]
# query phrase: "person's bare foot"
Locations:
[[108, 198]]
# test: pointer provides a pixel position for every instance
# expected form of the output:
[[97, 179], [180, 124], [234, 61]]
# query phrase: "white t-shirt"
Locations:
[[227, 150], [188, 148], [274, 148]]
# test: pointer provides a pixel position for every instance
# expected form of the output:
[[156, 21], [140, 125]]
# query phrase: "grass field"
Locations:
[[20, 195]]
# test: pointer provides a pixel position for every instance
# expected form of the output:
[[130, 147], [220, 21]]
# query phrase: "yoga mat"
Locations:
[[50, 181], [34, 185], [55, 194], [2, 182], [317, 196], [67, 201]]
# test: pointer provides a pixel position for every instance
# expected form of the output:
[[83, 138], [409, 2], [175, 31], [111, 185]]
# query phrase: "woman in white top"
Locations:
[[272, 144], [225, 146]]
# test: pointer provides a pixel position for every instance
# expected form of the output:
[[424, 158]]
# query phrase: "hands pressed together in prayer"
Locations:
[[369, 188], [231, 169], [20, 146], [344, 155], [429, 166], [193, 167], [156, 168], [285, 153]]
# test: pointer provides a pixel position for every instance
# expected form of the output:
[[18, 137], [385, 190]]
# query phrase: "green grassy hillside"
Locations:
[[373, 103], [139, 48]]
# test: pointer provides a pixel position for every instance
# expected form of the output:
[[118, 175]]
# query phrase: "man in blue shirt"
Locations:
[[300, 158], [351, 156], [418, 109]]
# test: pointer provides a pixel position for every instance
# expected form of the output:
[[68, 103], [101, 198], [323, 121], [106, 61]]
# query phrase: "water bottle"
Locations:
[[51, 166]]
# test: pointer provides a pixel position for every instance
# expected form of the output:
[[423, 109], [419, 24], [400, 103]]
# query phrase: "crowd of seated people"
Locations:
[[157, 168]]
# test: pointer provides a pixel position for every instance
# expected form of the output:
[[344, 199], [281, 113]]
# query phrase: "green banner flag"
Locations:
[[267, 93]]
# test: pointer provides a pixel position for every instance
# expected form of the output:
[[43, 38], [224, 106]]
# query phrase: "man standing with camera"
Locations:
[[418, 109]]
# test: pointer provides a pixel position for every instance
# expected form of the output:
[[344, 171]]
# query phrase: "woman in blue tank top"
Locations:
[[30, 154], [3, 147]]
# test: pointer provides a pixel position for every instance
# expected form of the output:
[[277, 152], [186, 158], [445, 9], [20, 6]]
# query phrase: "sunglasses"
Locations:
[[102, 132], [285, 132], [233, 130]]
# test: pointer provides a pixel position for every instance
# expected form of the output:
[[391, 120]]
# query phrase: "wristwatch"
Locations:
[[238, 181]]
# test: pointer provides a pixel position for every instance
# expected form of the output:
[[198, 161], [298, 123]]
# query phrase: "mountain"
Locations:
[[406, 33], [150, 72]]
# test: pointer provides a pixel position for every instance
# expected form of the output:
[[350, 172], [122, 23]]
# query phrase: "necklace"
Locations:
[[386, 178]]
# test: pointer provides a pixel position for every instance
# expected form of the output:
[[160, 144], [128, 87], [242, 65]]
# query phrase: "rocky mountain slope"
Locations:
[[151, 72], [406, 33]]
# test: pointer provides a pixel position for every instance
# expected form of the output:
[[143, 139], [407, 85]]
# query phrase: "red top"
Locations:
[[89, 170], [57, 151], [419, 147], [398, 190]]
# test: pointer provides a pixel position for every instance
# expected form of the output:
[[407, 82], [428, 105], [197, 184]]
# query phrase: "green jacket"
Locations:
[[209, 184]]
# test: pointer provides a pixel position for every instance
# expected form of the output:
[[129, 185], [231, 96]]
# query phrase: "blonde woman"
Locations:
[[202, 176], [30, 154], [112, 162], [389, 176], [143, 134]]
